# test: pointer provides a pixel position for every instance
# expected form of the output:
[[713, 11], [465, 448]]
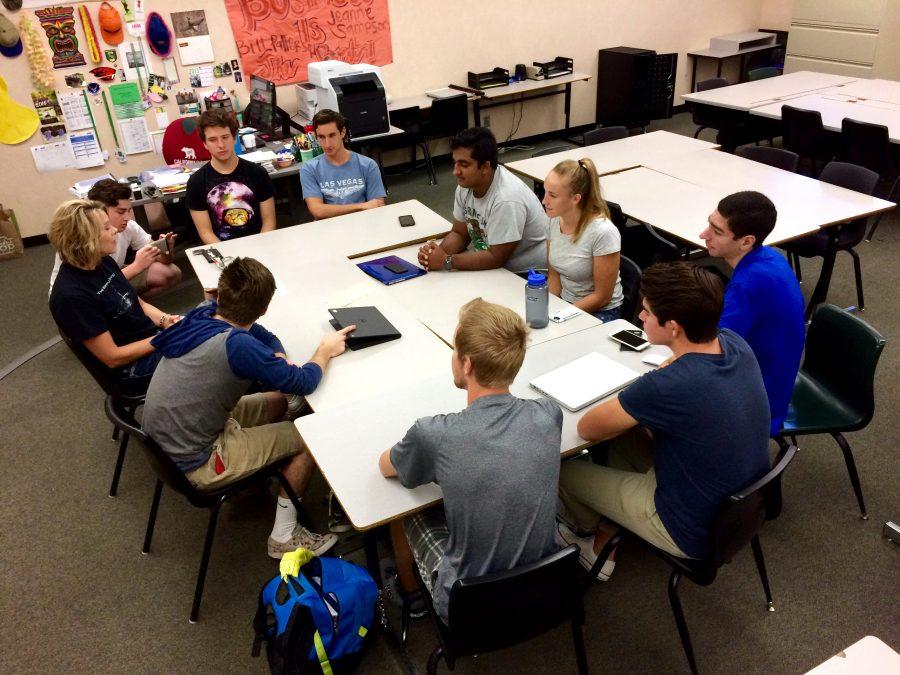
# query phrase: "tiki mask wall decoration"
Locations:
[[59, 25]]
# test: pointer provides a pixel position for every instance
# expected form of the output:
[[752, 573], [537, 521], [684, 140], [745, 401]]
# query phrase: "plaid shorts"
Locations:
[[427, 535]]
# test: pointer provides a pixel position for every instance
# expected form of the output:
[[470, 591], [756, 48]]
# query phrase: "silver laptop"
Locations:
[[584, 381]]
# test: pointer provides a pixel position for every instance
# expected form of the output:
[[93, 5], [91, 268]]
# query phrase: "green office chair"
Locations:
[[834, 391], [763, 73]]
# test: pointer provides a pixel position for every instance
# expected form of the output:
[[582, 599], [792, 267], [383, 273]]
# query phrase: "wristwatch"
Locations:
[[448, 263]]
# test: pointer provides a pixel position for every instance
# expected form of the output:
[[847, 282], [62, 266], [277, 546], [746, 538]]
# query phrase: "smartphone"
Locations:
[[396, 268], [407, 221], [564, 315], [162, 245], [629, 339]]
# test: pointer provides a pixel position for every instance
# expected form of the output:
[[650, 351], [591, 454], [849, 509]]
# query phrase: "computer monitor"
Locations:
[[261, 111]]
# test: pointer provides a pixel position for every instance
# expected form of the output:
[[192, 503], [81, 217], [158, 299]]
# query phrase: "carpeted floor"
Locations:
[[78, 595]]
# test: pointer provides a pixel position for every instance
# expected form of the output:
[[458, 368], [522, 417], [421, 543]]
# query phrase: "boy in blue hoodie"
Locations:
[[197, 411]]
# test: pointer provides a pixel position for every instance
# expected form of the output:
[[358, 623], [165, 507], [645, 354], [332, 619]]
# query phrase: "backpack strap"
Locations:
[[323, 656]]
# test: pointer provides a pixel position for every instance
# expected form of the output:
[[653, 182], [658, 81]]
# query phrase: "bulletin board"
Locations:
[[277, 39]]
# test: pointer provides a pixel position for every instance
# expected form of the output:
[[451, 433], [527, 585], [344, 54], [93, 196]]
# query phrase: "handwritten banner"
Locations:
[[276, 39]]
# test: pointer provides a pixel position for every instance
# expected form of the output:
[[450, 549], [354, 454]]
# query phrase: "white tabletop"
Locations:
[[872, 90], [762, 92], [435, 298], [347, 454], [613, 156], [835, 107], [869, 655]]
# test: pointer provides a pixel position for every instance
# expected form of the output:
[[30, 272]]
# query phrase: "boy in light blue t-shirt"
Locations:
[[340, 181]]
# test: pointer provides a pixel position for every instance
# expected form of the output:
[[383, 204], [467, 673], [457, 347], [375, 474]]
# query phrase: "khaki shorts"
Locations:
[[248, 443]]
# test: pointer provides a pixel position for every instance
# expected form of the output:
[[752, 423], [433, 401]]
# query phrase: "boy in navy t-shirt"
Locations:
[[705, 420], [763, 301]]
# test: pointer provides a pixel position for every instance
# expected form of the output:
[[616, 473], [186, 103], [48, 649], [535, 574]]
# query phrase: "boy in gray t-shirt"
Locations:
[[497, 462]]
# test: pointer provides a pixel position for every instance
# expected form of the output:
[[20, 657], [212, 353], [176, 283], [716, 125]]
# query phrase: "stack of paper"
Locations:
[[167, 179], [82, 187], [265, 158]]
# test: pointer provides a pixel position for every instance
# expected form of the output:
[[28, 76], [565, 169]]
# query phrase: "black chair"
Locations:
[[410, 120], [803, 133], [604, 135], [835, 388], [447, 117], [827, 242], [736, 524], [869, 145], [109, 383], [763, 73], [169, 474], [641, 243], [630, 276], [503, 609], [704, 116], [538, 185], [777, 157]]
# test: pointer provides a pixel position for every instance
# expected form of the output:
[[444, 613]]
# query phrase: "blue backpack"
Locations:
[[314, 615]]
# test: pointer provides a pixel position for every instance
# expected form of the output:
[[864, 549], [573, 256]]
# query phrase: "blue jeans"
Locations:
[[607, 315], [135, 377]]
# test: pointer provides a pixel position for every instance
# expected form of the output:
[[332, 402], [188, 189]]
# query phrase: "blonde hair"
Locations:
[[493, 337], [582, 179], [75, 232]]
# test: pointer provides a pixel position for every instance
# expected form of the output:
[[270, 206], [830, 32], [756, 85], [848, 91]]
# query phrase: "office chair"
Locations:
[[803, 133], [503, 609], [169, 474], [109, 383], [737, 523], [410, 120], [604, 135], [869, 145], [763, 73], [641, 242], [777, 157], [835, 389], [704, 116], [447, 117], [845, 237], [630, 276]]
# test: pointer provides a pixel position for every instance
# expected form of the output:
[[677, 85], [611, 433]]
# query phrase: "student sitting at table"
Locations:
[[498, 220], [339, 181], [583, 246], [686, 436], [763, 300], [196, 405], [497, 463], [152, 271], [229, 197], [92, 301]]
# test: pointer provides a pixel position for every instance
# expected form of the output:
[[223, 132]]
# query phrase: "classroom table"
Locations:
[[749, 95], [527, 90], [614, 156], [834, 107], [347, 454], [721, 55], [869, 90], [435, 298]]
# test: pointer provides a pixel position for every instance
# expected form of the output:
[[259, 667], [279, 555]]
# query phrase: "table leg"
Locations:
[[694, 60], [370, 543], [719, 68], [568, 102], [476, 112], [820, 293], [743, 65]]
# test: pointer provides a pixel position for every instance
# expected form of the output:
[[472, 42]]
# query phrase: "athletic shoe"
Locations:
[[301, 538], [565, 536], [337, 519]]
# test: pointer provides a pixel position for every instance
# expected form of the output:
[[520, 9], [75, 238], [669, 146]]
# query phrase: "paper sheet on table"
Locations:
[[86, 149], [347, 296], [135, 137], [53, 156]]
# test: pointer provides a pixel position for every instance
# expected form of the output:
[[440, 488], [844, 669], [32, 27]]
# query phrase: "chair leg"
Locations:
[[434, 659], [680, 622], [580, 653], [428, 163], [115, 434], [151, 521], [604, 554], [120, 460], [204, 560], [761, 568], [851, 469], [405, 611], [820, 292], [857, 271], [699, 129]]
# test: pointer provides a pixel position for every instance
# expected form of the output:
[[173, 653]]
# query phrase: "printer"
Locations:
[[354, 90]]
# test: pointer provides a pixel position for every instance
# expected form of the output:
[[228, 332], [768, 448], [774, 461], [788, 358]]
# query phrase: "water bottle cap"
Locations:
[[536, 278]]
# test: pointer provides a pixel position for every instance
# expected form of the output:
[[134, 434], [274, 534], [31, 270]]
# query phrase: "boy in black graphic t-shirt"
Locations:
[[229, 197]]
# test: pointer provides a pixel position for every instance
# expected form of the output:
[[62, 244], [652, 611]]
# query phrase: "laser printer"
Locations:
[[356, 90]]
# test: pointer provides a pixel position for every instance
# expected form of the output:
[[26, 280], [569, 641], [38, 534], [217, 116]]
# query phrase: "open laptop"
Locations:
[[371, 326], [584, 381]]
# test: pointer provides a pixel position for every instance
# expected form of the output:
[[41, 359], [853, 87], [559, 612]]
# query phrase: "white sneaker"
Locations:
[[301, 538], [565, 536]]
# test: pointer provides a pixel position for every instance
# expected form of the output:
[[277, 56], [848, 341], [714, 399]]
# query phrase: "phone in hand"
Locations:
[[630, 339], [162, 245], [407, 221]]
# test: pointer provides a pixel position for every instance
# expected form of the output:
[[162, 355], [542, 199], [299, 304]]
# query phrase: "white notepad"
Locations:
[[584, 381]]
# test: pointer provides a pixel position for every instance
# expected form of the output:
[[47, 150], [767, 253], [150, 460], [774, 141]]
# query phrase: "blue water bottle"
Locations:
[[536, 300]]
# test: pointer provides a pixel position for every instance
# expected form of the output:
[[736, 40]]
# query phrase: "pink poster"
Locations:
[[276, 39]]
